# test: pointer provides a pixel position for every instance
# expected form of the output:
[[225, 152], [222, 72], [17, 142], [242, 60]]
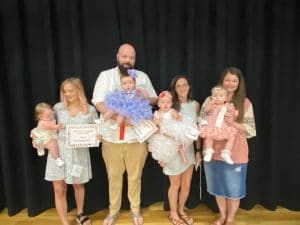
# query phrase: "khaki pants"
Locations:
[[118, 158]]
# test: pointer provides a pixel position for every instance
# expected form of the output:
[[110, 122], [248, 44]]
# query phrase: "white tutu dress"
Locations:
[[172, 133]]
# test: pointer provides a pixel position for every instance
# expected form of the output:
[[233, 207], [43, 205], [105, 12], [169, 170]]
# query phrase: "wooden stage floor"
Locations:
[[154, 215]]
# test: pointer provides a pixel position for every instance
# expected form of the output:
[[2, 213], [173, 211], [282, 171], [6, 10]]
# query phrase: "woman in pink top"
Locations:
[[225, 181]]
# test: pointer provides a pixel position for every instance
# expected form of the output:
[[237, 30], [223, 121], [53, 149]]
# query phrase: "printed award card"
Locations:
[[144, 130], [82, 135]]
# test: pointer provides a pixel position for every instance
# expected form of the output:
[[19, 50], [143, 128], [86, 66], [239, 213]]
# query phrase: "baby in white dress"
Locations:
[[45, 133]]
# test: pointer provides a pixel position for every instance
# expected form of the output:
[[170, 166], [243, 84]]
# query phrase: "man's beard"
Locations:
[[123, 69]]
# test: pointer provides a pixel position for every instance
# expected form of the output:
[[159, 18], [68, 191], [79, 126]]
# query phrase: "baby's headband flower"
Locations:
[[218, 88], [132, 73], [165, 94]]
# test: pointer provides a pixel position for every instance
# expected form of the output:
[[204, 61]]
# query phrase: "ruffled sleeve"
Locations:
[[249, 121]]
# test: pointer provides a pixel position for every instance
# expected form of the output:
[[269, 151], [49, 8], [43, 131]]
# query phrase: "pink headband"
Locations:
[[165, 94]]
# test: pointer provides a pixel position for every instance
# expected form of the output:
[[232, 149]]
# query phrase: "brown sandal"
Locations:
[[176, 222], [83, 219], [187, 219]]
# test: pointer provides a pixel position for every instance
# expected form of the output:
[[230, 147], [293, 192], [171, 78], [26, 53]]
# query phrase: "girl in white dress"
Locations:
[[165, 144]]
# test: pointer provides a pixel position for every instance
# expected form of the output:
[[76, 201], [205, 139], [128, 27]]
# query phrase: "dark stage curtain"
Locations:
[[44, 41]]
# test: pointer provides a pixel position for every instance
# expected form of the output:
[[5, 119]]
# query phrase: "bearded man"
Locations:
[[126, 154]]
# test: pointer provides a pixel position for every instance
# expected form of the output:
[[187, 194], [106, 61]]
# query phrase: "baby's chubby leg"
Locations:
[[182, 153], [53, 149]]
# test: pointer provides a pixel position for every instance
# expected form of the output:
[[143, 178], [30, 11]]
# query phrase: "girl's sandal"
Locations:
[[83, 219], [175, 221], [187, 219]]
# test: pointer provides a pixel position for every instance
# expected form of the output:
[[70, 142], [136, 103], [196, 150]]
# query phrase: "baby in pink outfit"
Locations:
[[214, 127]]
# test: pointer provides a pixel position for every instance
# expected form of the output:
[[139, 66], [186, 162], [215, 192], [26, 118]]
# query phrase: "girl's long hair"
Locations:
[[239, 95], [176, 103], [77, 83]]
